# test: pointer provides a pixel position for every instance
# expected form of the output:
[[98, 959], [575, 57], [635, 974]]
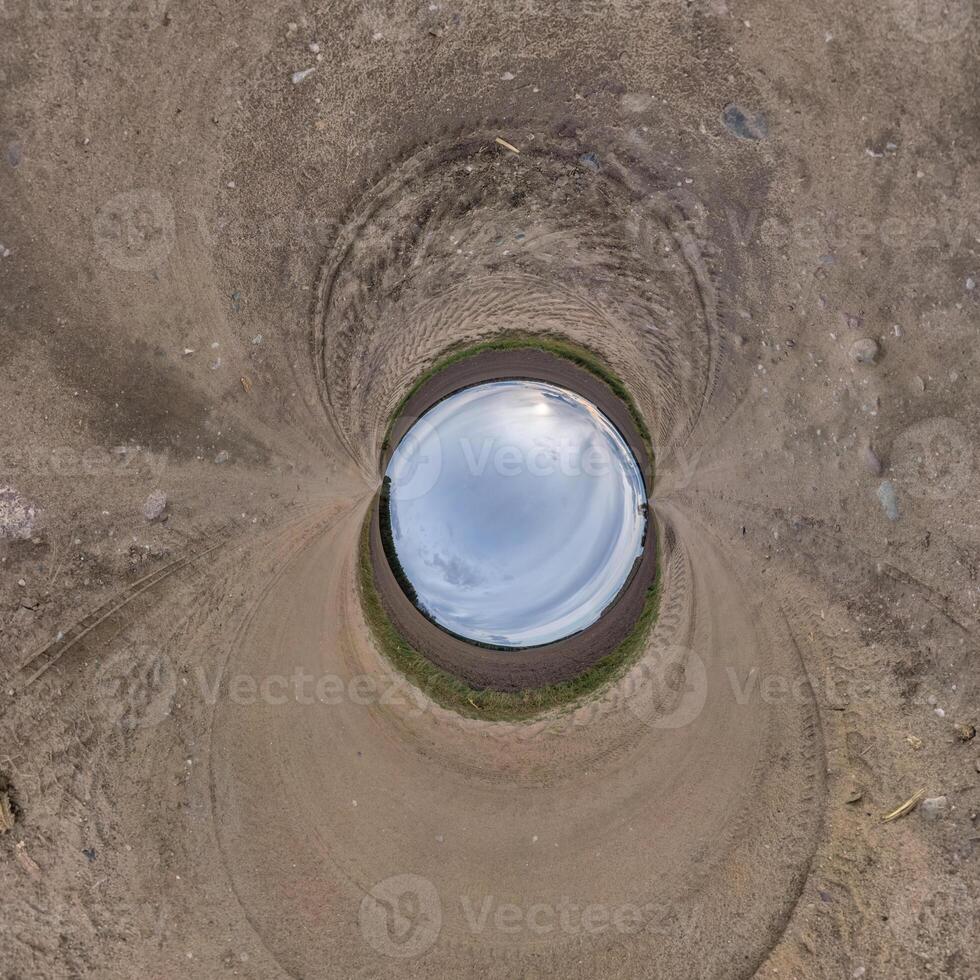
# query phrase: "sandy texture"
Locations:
[[218, 278]]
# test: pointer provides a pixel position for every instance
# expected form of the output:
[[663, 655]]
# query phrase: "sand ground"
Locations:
[[217, 280]]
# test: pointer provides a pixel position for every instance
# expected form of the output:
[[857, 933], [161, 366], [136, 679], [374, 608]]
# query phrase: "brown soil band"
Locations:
[[552, 663]]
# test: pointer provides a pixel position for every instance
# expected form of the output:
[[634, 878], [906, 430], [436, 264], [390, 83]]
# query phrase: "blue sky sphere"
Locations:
[[517, 512]]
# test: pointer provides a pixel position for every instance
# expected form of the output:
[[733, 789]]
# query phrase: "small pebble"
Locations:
[[745, 125], [864, 351], [507, 76], [222, 457], [155, 505], [934, 807], [888, 499], [971, 284], [299, 76], [17, 516]]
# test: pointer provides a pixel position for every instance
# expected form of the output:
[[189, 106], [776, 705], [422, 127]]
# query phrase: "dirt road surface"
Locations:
[[221, 271]]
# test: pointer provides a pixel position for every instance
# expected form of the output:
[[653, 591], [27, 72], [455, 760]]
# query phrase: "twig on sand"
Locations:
[[6, 814], [26, 861], [507, 146], [907, 807]]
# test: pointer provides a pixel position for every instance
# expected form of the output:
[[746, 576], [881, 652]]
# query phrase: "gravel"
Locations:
[[17, 516], [155, 505]]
